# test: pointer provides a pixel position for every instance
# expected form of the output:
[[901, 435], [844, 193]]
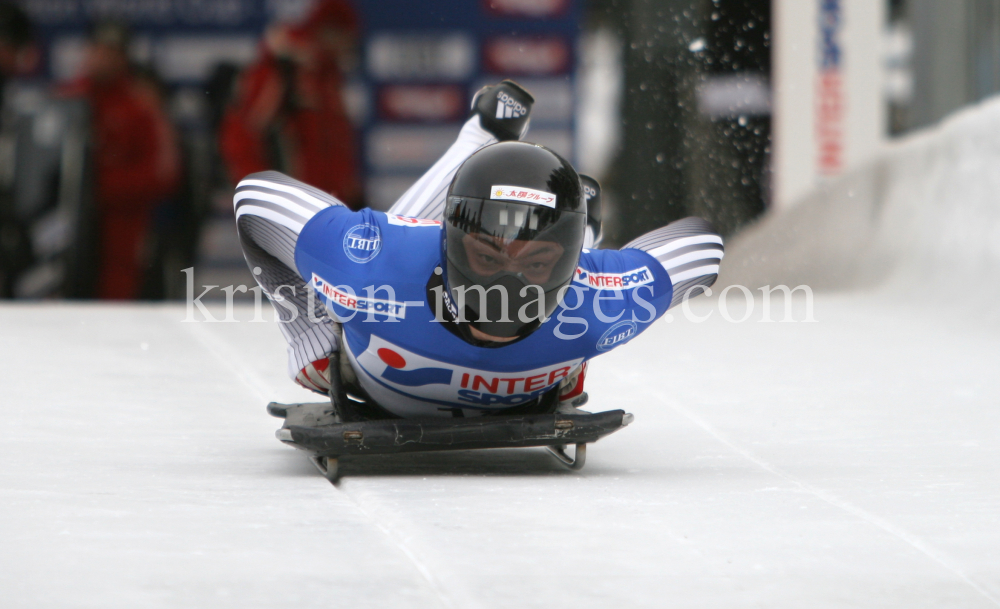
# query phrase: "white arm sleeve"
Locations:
[[426, 198]]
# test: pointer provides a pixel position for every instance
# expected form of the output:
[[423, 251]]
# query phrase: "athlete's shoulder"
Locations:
[[618, 294], [321, 237], [367, 243], [344, 220], [618, 270]]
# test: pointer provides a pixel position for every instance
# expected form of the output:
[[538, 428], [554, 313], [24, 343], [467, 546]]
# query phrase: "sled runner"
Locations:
[[348, 425]]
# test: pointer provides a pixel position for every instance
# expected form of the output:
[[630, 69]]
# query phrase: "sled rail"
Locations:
[[314, 428]]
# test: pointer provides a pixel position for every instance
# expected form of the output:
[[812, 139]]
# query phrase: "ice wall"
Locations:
[[920, 221]]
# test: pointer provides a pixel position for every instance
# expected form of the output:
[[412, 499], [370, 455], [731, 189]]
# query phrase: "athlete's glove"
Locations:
[[503, 109], [316, 376]]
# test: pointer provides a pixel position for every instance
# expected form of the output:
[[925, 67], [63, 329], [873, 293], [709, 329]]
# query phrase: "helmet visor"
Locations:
[[488, 239]]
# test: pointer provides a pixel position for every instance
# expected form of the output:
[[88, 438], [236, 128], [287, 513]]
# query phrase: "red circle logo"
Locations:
[[391, 358]]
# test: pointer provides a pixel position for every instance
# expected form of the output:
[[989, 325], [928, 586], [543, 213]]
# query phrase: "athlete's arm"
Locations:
[[690, 250], [271, 210]]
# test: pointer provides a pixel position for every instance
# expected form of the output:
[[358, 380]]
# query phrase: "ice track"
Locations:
[[850, 462]]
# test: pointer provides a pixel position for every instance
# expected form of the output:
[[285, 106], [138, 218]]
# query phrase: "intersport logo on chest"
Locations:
[[424, 378]]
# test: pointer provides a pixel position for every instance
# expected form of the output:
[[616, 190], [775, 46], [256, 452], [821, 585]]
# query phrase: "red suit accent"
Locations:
[[319, 137], [136, 165]]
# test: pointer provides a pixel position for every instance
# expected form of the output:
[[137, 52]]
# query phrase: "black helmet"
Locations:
[[515, 220]]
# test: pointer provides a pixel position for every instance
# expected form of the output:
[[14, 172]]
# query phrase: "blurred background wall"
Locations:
[[718, 108]]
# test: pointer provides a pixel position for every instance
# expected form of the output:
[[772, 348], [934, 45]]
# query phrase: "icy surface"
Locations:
[[848, 462]]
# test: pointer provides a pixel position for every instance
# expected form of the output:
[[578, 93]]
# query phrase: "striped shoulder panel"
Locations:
[[281, 199], [690, 250]]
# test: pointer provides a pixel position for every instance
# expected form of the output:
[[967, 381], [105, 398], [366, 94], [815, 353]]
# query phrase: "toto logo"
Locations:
[[619, 333], [362, 243]]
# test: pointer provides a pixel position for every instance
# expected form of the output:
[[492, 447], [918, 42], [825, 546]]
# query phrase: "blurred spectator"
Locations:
[[289, 112], [18, 57], [18, 51], [135, 157]]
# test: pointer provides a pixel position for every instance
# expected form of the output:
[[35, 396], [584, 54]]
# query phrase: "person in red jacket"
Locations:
[[135, 157], [289, 112]]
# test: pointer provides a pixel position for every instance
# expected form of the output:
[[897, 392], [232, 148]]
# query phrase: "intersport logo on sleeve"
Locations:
[[353, 302], [614, 281]]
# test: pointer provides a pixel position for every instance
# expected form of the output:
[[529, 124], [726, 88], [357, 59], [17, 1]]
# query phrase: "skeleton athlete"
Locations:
[[481, 291]]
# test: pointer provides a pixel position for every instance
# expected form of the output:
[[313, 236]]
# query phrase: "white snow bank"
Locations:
[[922, 220]]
